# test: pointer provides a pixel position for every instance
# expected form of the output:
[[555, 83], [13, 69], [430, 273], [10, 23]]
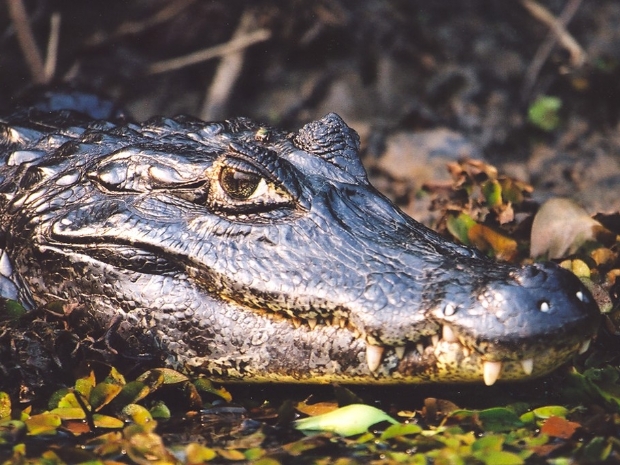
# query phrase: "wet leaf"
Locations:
[[205, 385], [69, 413], [559, 427], [400, 429], [167, 375], [11, 431], [44, 423], [459, 227], [105, 421], [5, 406], [498, 419], [578, 267], [85, 384], [160, 411], [346, 421], [197, 453], [137, 414], [550, 411], [498, 457], [316, 409], [485, 239], [543, 112], [104, 393], [231, 454], [560, 227], [492, 191]]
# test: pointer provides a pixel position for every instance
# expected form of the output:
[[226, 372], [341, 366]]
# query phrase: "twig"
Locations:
[[209, 53], [51, 57], [25, 37], [557, 33], [135, 27], [228, 70]]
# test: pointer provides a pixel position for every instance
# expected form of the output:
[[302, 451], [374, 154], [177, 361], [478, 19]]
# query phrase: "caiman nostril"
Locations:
[[543, 306]]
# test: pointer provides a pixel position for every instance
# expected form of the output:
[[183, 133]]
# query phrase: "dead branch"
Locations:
[[234, 45], [557, 33], [228, 70], [25, 37]]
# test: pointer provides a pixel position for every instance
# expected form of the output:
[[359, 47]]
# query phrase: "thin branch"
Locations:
[[557, 33], [228, 70], [135, 27], [234, 45], [51, 57], [25, 37]]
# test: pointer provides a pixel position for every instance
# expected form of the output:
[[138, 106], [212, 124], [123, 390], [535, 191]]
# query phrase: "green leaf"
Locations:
[[103, 393], [492, 191], [205, 385], [44, 423], [543, 113], [106, 421], [550, 411], [499, 419], [137, 414], [401, 429], [5, 406], [459, 226], [345, 421]]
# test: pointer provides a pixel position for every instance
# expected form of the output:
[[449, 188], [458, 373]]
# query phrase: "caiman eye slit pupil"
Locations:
[[239, 185]]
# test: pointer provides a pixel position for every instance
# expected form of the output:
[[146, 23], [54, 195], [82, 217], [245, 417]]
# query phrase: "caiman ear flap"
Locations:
[[331, 139]]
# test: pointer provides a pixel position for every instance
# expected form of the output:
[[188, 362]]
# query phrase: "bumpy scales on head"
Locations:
[[253, 254]]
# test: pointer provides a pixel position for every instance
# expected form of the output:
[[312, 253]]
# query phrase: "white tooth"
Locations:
[[342, 322], [356, 333], [312, 323], [580, 295], [448, 334], [528, 365], [420, 348], [584, 346], [296, 322], [335, 321], [374, 354], [400, 351], [435, 339], [466, 352], [491, 372]]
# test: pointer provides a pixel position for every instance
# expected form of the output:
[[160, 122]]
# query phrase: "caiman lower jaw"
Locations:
[[458, 357]]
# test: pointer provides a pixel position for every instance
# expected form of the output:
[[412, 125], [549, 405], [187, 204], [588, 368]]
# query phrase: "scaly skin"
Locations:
[[256, 255]]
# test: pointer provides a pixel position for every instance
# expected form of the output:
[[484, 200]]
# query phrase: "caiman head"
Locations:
[[258, 255]]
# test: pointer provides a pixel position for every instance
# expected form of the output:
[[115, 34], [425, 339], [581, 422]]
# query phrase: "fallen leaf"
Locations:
[[346, 421], [560, 227]]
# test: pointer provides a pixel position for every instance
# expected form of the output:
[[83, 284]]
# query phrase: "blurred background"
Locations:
[[532, 87]]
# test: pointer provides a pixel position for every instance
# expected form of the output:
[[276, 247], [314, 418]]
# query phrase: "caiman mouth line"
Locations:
[[490, 360]]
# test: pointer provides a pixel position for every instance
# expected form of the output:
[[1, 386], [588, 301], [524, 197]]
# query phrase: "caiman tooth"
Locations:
[[435, 339], [584, 346], [296, 322], [448, 335], [374, 354], [420, 347], [528, 365], [342, 323], [312, 323], [335, 321], [400, 351], [491, 371]]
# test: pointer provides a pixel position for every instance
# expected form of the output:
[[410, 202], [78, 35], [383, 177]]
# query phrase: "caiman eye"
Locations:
[[242, 187], [239, 185]]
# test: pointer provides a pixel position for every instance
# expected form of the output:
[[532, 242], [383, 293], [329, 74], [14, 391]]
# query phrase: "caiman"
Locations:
[[257, 255]]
